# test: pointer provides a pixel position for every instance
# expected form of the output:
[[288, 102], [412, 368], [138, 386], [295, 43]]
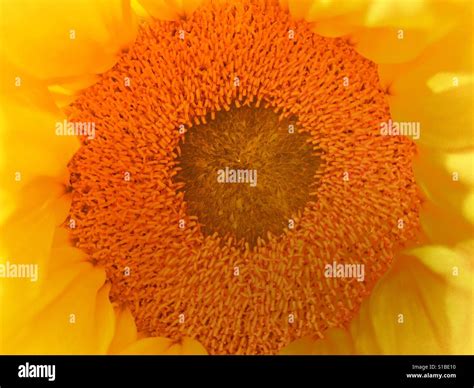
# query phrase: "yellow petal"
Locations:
[[422, 306], [103, 320], [385, 31], [27, 235], [319, 10], [22, 298], [160, 345], [31, 146], [79, 320], [413, 13], [65, 39], [435, 219], [418, 91], [468, 207], [125, 330], [463, 164], [336, 341], [390, 44], [169, 9], [447, 183], [65, 93], [28, 141], [63, 254], [332, 18], [435, 300], [397, 31]]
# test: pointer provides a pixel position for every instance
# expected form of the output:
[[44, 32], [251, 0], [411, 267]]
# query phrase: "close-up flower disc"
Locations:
[[236, 177], [237, 154]]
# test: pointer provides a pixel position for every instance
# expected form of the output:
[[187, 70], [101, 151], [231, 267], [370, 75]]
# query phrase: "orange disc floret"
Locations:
[[130, 210]]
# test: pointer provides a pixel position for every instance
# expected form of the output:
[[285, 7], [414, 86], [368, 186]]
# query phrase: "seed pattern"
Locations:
[[182, 281], [283, 166]]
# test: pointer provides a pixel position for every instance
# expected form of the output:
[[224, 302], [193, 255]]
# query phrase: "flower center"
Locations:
[[246, 173], [177, 226]]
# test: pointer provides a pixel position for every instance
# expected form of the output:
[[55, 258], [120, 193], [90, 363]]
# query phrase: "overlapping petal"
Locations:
[[447, 184], [436, 91], [169, 9], [432, 315], [55, 40], [72, 314]]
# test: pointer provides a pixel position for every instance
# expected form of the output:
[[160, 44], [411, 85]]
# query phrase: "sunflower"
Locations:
[[236, 177]]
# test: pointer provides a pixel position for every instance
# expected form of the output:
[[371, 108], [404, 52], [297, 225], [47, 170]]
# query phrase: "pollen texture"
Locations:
[[240, 268]]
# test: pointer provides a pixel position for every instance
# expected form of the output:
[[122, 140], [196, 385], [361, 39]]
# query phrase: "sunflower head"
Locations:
[[238, 176]]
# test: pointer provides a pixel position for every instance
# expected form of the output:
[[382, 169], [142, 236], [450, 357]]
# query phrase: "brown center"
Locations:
[[246, 173]]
